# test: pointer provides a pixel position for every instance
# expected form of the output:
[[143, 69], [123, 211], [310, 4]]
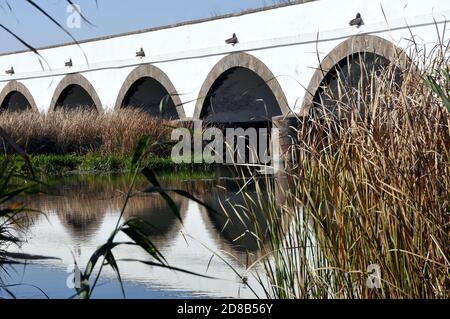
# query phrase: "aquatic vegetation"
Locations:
[[81, 132], [135, 228], [94, 163], [364, 212], [13, 215]]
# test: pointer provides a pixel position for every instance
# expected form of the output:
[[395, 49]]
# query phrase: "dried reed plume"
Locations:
[[81, 131], [369, 186]]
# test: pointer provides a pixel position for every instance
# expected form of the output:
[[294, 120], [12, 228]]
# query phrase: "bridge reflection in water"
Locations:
[[84, 212]]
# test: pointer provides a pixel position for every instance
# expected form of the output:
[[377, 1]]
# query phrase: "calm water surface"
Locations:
[[82, 211]]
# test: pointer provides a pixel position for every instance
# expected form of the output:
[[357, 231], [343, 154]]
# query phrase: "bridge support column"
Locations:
[[287, 136]]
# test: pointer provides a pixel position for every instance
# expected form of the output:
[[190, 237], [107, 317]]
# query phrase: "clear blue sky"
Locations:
[[111, 17]]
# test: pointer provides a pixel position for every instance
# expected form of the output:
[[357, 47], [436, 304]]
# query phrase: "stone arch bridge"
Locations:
[[275, 64]]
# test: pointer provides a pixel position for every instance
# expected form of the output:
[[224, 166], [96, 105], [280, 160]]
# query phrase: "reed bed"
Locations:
[[82, 131], [367, 188]]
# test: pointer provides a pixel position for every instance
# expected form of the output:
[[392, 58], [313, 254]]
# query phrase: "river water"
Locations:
[[79, 212]]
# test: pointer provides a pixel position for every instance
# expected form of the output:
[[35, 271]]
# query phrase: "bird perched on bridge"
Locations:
[[10, 71], [140, 53], [233, 40], [358, 21]]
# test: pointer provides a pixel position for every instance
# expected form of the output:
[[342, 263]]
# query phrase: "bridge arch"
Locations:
[[250, 68], [17, 96], [374, 46], [149, 82], [75, 91]]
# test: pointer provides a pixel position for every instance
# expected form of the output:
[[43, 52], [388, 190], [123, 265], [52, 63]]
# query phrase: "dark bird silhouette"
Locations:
[[140, 53], [10, 71], [358, 21], [69, 63], [233, 40]]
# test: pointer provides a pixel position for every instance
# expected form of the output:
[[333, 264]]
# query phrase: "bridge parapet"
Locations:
[[292, 42]]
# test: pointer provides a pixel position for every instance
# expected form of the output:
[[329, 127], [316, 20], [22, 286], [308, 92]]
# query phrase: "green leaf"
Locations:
[[437, 89], [85, 290], [27, 256], [112, 262], [151, 177], [150, 263], [139, 150], [17, 149], [101, 251], [163, 104], [133, 230], [183, 193]]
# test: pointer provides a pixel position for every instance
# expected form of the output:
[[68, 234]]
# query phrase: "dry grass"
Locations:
[[81, 131], [369, 187]]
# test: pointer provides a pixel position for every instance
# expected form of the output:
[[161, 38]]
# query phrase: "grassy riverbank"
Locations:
[[63, 142], [59, 165], [83, 132]]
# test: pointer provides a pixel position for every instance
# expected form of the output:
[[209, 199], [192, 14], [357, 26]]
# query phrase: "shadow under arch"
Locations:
[[156, 79], [355, 45], [239, 223], [75, 84], [246, 62], [20, 93], [159, 222], [82, 213]]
